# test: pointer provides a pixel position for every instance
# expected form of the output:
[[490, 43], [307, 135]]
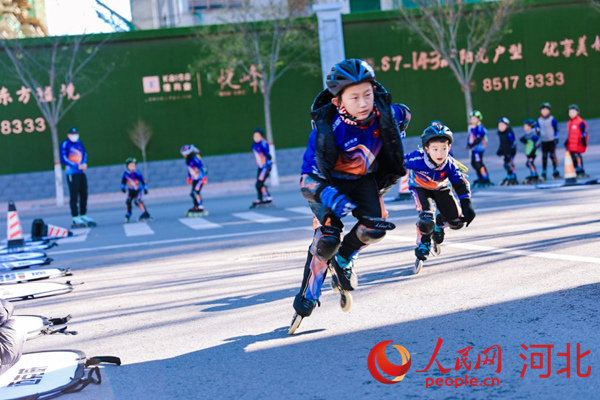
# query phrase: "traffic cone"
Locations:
[[403, 192], [570, 174], [41, 231], [14, 231]]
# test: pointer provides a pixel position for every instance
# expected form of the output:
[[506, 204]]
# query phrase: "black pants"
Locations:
[[444, 200], [78, 190], [549, 150]]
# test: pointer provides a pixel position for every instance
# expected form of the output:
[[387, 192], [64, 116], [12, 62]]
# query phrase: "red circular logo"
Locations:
[[377, 358]]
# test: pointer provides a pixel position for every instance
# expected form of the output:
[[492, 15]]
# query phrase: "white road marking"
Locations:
[[301, 210], [137, 229], [199, 223], [79, 235], [258, 217], [525, 253]]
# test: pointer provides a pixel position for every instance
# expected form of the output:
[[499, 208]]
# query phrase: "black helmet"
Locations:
[[130, 160], [72, 130], [529, 122], [436, 132], [574, 107], [504, 120], [347, 73], [259, 130], [546, 105]]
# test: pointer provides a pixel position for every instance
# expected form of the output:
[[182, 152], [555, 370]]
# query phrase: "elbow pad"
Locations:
[[311, 187]]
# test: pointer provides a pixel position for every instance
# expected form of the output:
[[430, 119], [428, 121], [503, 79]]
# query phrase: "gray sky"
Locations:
[[70, 17]]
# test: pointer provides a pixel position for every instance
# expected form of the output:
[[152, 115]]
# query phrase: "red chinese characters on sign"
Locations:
[[493, 356], [542, 360], [566, 47]]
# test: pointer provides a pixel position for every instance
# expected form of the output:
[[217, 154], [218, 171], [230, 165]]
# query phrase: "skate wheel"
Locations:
[[418, 266], [346, 301], [296, 319], [436, 249]]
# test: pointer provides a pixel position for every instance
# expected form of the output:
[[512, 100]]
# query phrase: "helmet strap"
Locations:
[[350, 120]]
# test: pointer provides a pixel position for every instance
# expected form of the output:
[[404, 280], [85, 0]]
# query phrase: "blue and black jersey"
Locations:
[[72, 155]]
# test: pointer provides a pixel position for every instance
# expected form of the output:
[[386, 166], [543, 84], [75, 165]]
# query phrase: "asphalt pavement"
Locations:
[[199, 308]]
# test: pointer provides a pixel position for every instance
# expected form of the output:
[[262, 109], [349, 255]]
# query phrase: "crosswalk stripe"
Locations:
[[301, 210], [198, 223], [139, 229], [258, 217], [79, 235]]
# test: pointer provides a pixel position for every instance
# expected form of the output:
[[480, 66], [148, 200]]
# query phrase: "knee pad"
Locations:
[[194, 193], [326, 242], [456, 224], [372, 230], [439, 220], [128, 201], [259, 185], [425, 223]]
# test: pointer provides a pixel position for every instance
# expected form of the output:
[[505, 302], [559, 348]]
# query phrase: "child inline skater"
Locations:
[[133, 184], [196, 177], [576, 142], [433, 176], [477, 143], [354, 156], [549, 137], [508, 150], [260, 148], [531, 140]]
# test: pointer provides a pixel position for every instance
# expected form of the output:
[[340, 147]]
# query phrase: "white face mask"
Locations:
[[73, 137]]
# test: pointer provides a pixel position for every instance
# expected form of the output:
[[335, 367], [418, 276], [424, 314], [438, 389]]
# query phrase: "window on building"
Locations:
[[364, 5], [197, 5]]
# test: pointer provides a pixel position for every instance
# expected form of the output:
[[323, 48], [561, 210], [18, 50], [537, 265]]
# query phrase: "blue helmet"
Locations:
[[504, 120], [530, 122], [437, 131], [72, 130], [347, 73]]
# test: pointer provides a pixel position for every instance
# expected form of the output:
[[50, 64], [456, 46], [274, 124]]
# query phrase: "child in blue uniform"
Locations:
[[477, 143], [508, 150], [531, 140], [74, 157], [260, 148], [549, 139], [196, 177], [433, 175], [354, 156], [132, 183]]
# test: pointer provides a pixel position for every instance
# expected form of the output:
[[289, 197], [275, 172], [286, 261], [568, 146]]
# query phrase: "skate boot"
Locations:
[[127, 217], [256, 204], [581, 174], [544, 176], [145, 217], [196, 211], [267, 200], [88, 221], [512, 180], [423, 250], [555, 175], [343, 275], [437, 238], [78, 223], [303, 308], [485, 183], [476, 183]]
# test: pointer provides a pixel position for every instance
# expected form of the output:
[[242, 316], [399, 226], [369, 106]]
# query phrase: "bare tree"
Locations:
[[140, 135], [52, 71], [460, 33], [596, 4], [264, 42]]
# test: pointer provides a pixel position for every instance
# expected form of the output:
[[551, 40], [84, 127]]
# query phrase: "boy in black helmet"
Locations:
[[133, 183], [354, 156], [549, 139], [433, 175], [508, 150]]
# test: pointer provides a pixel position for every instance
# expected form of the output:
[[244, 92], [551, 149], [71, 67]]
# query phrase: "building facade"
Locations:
[[23, 18]]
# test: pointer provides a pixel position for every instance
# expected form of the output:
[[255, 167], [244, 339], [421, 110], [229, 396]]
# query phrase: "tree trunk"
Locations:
[[58, 175], [269, 130], [466, 88], [145, 164]]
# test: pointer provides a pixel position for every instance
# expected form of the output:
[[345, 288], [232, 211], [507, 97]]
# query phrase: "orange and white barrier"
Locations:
[[570, 174], [14, 230], [404, 185], [57, 232]]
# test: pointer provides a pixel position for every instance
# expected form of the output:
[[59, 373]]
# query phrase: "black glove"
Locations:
[[556, 141], [584, 141], [467, 210], [523, 140], [566, 142], [145, 191], [123, 190]]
